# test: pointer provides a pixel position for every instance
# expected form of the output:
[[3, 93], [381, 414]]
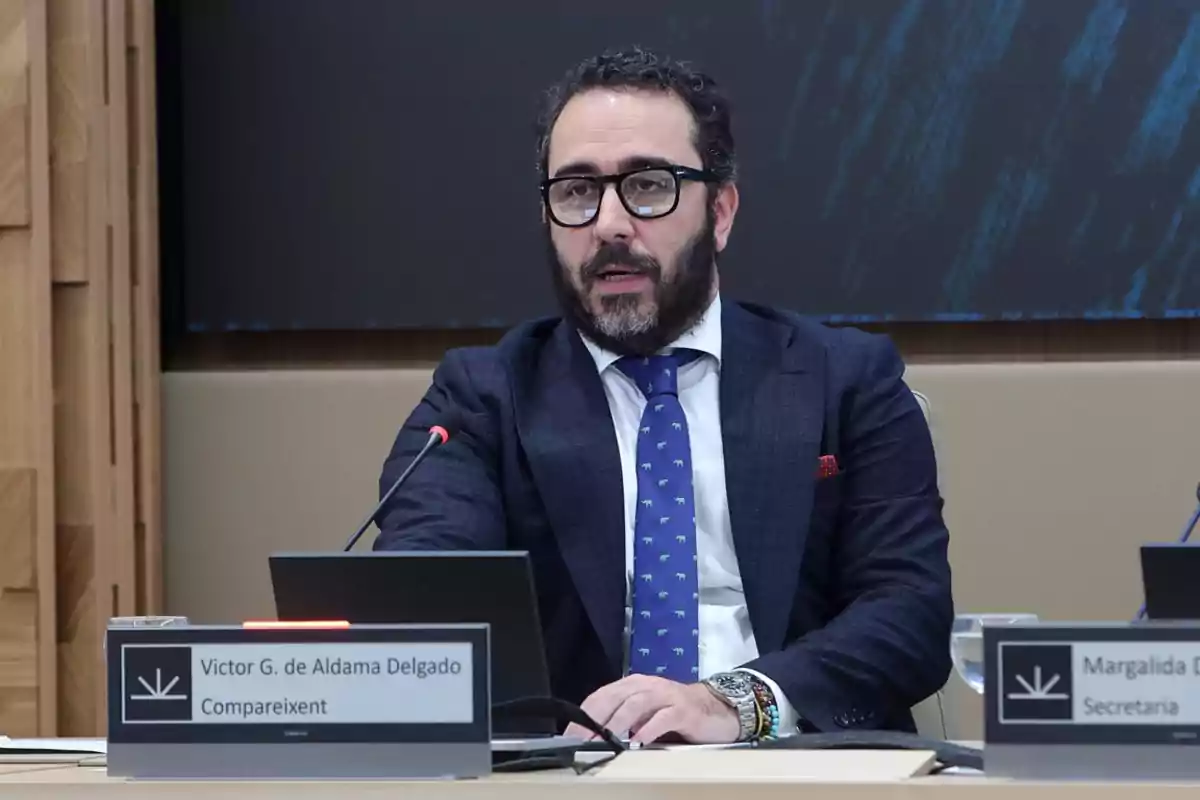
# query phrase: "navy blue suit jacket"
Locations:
[[846, 578]]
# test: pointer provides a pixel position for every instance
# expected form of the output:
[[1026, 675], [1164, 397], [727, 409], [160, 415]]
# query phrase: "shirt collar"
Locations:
[[704, 336]]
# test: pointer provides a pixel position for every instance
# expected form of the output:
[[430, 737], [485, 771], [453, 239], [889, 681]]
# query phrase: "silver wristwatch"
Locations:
[[736, 689]]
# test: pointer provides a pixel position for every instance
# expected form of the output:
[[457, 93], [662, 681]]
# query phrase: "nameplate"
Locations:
[[1092, 701], [297, 685], [1092, 683]]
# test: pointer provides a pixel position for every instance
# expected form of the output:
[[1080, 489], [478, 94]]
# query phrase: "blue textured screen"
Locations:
[[900, 159]]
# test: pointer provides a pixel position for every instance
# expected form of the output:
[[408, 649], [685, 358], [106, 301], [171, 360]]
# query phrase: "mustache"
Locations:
[[610, 255]]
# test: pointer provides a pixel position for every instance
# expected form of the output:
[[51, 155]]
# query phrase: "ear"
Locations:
[[725, 206]]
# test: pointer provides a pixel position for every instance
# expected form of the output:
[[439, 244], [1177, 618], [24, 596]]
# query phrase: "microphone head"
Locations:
[[451, 424]]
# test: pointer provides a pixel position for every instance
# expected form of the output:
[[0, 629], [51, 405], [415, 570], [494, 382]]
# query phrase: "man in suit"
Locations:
[[732, 513]]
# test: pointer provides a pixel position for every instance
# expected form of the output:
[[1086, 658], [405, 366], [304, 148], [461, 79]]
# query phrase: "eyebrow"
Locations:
[[624, 165]]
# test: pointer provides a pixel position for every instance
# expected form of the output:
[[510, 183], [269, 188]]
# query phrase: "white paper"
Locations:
[[72, 745]]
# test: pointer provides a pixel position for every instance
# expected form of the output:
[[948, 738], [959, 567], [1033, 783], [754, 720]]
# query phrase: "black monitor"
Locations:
[[1169, 580], [430, 588]]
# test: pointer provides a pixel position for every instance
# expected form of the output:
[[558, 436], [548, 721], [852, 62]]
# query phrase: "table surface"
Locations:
[[59, 780]]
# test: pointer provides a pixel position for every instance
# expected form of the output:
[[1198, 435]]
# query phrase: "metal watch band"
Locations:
[[747, 709], [736, 690]]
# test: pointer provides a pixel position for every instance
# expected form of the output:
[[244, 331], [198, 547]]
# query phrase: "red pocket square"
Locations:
[[827, 467]]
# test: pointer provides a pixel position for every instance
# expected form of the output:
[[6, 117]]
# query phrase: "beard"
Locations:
[[622, 325]]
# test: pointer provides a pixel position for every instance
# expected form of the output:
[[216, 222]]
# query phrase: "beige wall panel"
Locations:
[[1054, 474]]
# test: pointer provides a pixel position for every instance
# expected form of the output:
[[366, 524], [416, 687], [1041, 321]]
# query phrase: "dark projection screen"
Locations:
[[348, 164]]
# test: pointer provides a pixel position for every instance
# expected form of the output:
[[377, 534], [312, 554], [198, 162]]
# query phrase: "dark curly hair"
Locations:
[[638, 68]]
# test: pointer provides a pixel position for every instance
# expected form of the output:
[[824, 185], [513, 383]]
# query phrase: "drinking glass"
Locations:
[[966, 642]]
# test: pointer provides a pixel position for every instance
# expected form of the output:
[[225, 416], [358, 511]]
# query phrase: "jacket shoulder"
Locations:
[[844, 349], [488, 370]]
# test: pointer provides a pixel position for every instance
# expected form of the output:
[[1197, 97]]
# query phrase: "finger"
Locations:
[[577, 731], [636, 709], [602, 703], [666, 720]]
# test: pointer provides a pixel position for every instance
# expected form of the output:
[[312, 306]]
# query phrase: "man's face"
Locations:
[[633, 285]]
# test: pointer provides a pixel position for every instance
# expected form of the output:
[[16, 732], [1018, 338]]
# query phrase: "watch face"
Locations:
[[732, 684]]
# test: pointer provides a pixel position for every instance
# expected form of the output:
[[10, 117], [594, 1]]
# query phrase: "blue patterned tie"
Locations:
[[664, 636]]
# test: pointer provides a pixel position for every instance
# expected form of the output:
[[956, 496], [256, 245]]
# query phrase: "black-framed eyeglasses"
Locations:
[[647, 193]]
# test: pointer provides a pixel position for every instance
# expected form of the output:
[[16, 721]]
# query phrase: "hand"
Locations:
[[650, 708]]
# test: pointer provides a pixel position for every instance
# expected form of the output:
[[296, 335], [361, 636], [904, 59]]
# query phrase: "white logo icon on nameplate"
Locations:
[[158, 691], [157, 683], [1034, 681], [1037, 690]]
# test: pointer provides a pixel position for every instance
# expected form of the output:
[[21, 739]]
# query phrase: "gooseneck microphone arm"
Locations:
[[437, 437], [1191, 526], [1187, 534]]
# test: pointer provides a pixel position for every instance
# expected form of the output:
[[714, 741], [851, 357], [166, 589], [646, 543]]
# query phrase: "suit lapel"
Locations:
[[772, 401], [566, 428]]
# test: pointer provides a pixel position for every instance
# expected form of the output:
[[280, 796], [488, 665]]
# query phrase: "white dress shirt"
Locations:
[[726, 638]]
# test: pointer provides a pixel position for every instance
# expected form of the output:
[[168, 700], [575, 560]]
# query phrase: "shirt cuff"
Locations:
[[789, 720]]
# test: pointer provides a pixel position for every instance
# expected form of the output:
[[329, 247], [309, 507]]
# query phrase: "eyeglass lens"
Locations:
[[649, 193]]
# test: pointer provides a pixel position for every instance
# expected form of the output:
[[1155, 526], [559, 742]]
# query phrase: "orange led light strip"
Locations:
[[269, 624]]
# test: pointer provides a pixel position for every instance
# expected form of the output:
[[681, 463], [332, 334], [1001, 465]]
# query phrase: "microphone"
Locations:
[[1187, 534], [438, 436]]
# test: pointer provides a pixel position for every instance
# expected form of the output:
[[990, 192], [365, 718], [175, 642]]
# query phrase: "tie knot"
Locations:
[[656, 375]]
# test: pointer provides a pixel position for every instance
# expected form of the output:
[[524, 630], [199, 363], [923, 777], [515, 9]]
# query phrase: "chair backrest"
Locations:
[[930, 713], [930, 716]]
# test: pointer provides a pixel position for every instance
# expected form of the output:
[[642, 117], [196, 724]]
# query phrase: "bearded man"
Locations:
[[732, 512]]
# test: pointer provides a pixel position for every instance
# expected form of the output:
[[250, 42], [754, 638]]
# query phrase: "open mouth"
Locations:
[[617, 273]]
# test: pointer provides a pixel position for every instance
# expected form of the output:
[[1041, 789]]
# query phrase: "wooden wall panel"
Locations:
[[18, 599], [82, 366], [14, 115], [75, 448], [17, 320], [27, 602], [123, 544], [98, 534], [78, 405], [144, 271], [80, 666], [38, 133], [82, 458], [74, 81], [18, 530]]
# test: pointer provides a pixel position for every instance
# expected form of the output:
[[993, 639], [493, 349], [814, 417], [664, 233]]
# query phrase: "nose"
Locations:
[[613, 221]]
